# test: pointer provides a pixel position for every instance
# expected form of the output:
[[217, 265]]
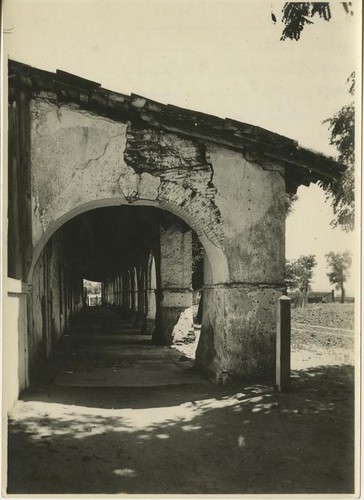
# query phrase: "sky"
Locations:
[[222, 57]]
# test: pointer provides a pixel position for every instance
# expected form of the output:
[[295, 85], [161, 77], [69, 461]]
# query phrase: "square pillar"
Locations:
[[238, 331], [240, 312], [140, 316], [151, 297], [174, 294]]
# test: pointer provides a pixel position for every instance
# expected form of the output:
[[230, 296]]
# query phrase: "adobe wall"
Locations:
[[239, 320], [236, 206], [78, 158]]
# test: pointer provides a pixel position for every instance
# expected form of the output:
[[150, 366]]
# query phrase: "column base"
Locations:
[[148, 326], [174, 316], [164, 329], [238, 332], [139, 320]]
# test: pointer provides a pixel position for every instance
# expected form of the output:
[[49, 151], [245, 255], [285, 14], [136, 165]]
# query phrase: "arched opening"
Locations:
[[142, 256], [91, 293], [216, 267]]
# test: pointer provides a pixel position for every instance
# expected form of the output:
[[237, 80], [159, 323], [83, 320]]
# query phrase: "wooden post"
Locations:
[[283, 344], [332, 295]]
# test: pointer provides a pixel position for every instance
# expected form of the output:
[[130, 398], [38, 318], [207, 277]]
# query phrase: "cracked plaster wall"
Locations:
[[77, 157], [238, 332], [252, 205], [237, 206], [239, 318]]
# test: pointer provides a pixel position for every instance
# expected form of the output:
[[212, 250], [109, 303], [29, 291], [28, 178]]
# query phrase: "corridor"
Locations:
[[103, 350]]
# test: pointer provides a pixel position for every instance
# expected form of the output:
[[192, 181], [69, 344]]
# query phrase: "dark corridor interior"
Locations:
[[103, 241], [142, 256]]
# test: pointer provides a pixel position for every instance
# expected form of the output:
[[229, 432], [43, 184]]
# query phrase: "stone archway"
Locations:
[[216, 262], [172, 289], [75, 146], [93, 160]]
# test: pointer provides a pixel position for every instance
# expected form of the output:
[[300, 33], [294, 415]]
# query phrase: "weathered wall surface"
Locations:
[[226, 180], [238, 332], [176, 256], [252, 205], [19, 180], [14, 342], [236, 206], [77, 158], [175, 280], [239, 316]]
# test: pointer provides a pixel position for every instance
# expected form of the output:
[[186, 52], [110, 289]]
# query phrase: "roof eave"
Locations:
[[306, 164]]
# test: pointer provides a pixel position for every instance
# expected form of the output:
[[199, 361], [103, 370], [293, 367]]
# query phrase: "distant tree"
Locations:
[[339, 264], [299, 273], [296, 15], [92, 287], [341, 191]]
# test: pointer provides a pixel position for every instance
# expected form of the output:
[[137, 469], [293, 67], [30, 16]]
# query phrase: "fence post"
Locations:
[[332, 295], [283, 344]]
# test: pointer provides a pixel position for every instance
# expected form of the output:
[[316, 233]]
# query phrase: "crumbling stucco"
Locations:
[[77, 158], [251, 202], [175, 278], [236, 206], [238, 331]]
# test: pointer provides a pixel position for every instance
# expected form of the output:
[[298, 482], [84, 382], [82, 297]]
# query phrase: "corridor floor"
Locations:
[[103, 350], [115, 415]]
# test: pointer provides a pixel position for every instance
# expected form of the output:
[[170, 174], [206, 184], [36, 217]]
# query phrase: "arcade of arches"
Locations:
[[141, 255], [109, 187]]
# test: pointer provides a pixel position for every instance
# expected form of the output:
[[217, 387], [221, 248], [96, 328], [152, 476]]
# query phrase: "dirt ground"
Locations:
[[192, 438], [332, 314]]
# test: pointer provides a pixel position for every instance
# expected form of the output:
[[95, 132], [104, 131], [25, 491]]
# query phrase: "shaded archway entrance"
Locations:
[[74, 146], [141, 255]]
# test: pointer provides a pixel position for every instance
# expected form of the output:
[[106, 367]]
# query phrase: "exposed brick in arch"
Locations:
[[79, 157]]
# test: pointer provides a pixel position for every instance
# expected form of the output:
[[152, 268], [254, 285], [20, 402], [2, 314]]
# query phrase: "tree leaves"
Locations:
[[290, 201], [92, 287], [299, 272], [296, 15], [348, 7], [339, 264], [341, 192]]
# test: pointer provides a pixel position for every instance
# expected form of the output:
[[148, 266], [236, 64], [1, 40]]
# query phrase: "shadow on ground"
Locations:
[[198, 438]]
